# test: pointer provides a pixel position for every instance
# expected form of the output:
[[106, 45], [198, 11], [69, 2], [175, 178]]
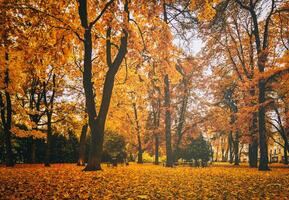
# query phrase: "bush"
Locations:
[[114, 147], [198, 149]]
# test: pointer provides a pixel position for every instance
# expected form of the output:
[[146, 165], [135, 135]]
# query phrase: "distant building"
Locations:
[[275, 150]]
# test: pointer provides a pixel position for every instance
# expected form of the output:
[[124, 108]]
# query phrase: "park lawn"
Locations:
[[67, 181]]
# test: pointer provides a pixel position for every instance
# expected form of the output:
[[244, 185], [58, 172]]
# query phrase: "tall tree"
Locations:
[[97, 121]]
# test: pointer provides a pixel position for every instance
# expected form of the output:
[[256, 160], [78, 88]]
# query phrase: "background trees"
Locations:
[[83, 67]]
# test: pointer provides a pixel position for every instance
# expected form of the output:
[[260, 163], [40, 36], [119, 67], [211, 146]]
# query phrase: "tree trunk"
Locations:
[[169, 160], [156, 150], [48, 141], [253, 146], [236, 149], [140, 151], [97, 122], [96, 144], [262, 58], [230, 139], [253, 153], [286, 149], [93, 160], [82, 146], [6, 114], [285, 155], [263, 164], [8, 147], [33, 151], [181, 124], [217, 152]]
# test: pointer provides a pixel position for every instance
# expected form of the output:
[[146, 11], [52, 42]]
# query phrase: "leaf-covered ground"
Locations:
[[143, 182]]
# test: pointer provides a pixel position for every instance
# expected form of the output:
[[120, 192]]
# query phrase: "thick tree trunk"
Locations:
[[8, 147], [253, 153], [181, 123], [156, 150], [236, 149], [82, 146], [94, 159], [9, 154], [95, 153], [6, 115], [169, 160], [253, 146], [97, 122], [262, 58], [263, 164], [33, 151], [139, 156]]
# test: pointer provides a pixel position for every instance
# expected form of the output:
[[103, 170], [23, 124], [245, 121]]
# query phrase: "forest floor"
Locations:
[[67, 181]]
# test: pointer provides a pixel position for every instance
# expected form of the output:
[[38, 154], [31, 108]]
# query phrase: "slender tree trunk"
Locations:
[[140, 151], [217, 153], [236, 149], [156, 150], [169, 154], [82, 146], [286, 148], [169, 161], [285, 155], [230, 139], [48, 141], [226, 154], [253, 146]]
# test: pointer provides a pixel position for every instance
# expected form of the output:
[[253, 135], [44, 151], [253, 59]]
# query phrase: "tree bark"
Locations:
[[140, 151], [156, 162], [181, 122], [6, 116], [169, 160], [48, 142], [253, 153], [97, 122], [262, 58], [253, 146], [236, 149], [230, 140], [49, 112], [261, 49], [285, 155], [82, 146], [263, 164], [33, 151]]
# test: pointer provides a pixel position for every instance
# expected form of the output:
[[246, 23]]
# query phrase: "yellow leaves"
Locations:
[[142, 182], [192, 5], [207, 13], [29, 133]]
